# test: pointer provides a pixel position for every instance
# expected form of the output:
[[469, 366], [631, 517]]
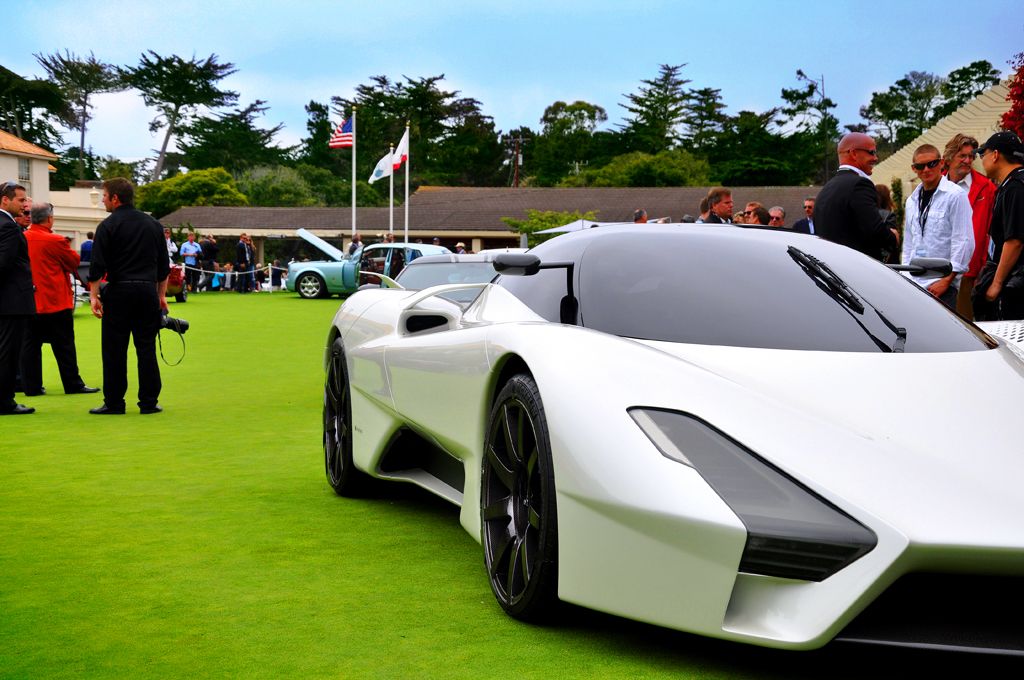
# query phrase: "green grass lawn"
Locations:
[[204, 541]]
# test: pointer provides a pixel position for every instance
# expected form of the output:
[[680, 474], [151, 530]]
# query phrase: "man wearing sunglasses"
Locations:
[[846, 211], [937, 223], [999, 290], [17, 299]]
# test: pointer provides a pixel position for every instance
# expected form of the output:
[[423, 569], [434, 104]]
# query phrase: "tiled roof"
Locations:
[[481, 209], [9, 142]]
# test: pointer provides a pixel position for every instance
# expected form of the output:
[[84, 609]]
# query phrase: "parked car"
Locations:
[[344, 274], [738, 433]]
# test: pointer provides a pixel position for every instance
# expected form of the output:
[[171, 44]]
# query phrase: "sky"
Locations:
[[516, 58]]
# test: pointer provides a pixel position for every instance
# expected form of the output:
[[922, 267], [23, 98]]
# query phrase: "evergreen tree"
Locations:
[[231, 141], [177, 88], [657, 111], [80, 78]]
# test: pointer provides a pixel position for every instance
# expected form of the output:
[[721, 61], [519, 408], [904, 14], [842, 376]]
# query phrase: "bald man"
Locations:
[[846, 211]]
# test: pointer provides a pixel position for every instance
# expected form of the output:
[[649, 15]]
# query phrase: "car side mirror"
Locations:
[[516, 264], [921, 266]]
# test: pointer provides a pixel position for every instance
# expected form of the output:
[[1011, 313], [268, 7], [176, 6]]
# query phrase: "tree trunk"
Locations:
[[171, 121], [81, 144]]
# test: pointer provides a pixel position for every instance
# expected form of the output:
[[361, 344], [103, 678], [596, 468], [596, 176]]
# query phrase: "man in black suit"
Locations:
[[806, 225], [17, 298], [847, 207], [719, 206]]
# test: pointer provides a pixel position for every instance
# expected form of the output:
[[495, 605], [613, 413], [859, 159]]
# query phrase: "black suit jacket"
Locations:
[[803, 226], [17, 295], [846, 212]]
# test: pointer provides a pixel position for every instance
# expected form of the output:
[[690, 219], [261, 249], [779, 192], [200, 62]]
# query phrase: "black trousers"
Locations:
[[58, 330], [12, 329], [130, 309], [192, 275]]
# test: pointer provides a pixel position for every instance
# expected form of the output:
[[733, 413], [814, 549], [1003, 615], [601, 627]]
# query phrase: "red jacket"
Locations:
[[52, 259], [982, 197]]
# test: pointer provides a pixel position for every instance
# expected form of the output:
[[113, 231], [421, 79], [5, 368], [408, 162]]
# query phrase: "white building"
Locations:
[[27, 164]]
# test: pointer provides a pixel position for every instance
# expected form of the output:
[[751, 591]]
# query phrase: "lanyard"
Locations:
[[923, 212]]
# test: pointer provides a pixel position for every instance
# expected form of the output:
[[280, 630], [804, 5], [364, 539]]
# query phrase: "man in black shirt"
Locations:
[[999, 291], [130, 250]]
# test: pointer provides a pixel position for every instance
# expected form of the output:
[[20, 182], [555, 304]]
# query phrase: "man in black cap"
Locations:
[[130, 250], [999, 290]]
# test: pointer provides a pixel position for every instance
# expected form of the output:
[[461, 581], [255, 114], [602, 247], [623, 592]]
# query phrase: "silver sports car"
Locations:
[[753, 435]]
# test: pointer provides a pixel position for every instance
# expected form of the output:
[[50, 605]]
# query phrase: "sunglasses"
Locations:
[[928, 164], [870, 152]]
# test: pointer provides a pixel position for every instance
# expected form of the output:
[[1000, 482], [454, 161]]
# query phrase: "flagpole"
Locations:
[[353, 172], [391, 195], [408, 160]]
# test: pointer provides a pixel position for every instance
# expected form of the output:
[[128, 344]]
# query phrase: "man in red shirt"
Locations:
[[981, 194], [52, 261]]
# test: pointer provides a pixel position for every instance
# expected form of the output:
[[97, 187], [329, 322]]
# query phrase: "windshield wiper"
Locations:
[[840, 291]]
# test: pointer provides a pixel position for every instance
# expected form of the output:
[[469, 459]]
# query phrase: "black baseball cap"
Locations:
[[1005, 142]]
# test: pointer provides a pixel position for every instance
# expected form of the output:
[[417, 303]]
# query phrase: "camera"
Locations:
[[179, 326]]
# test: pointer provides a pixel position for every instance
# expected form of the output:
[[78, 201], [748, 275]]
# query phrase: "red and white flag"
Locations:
[[401, 153], [343, 137]]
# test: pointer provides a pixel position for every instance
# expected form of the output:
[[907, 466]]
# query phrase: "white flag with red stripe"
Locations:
[[401, 153]]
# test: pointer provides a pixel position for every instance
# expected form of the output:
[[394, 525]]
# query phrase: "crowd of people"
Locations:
[[974, 220], [955, 213], [203, 271]]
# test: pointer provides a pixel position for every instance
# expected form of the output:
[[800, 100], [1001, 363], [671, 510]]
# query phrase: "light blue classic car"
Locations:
[[344, 274]]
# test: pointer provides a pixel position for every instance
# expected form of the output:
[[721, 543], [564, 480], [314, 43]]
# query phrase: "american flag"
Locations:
[[342, 137]]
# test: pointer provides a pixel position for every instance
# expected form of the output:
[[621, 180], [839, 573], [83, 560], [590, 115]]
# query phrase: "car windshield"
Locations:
[[743, 288], [423, 275]]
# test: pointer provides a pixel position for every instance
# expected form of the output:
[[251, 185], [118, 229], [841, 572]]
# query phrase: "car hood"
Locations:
[[928, 443], [323, 245]]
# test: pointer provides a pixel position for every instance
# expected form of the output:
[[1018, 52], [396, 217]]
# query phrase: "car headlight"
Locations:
[[791, 531]]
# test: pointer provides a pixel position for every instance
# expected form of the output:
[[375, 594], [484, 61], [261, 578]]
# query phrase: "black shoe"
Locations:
[[107, 411], [35, 393], [84, 389], [146, 410], [18, 410]]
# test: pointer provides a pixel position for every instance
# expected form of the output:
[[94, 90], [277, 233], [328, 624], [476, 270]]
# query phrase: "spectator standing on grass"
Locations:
[[981, 193], [172, 247], [210, 252], [357, 243], [53, 264], [128, 250], [999, 290], [85, 253], [846, 211], [719, 206], [17, 302], [244, 262], [937, 221], [192, 254], [806, 225]]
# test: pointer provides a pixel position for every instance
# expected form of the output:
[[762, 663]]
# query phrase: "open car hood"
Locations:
[[323, 245]]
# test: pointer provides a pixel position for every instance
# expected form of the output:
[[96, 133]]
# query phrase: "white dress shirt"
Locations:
[[947, 231]]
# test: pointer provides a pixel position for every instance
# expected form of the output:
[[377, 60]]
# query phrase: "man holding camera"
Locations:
[[129, 249]]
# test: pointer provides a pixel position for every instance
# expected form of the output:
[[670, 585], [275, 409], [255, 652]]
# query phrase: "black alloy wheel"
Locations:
[[341, 474], [310, 285], [517, 502]]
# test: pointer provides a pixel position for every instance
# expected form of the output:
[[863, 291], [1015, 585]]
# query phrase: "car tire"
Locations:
[[342, 475], [311, 285], [517, 504], [182, 296]]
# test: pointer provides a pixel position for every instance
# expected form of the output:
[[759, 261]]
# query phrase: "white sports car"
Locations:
[[748, 434]]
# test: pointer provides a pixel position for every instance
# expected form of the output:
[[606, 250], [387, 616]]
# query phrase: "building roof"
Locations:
[[978, 118], [17, 145], [441, 209]]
